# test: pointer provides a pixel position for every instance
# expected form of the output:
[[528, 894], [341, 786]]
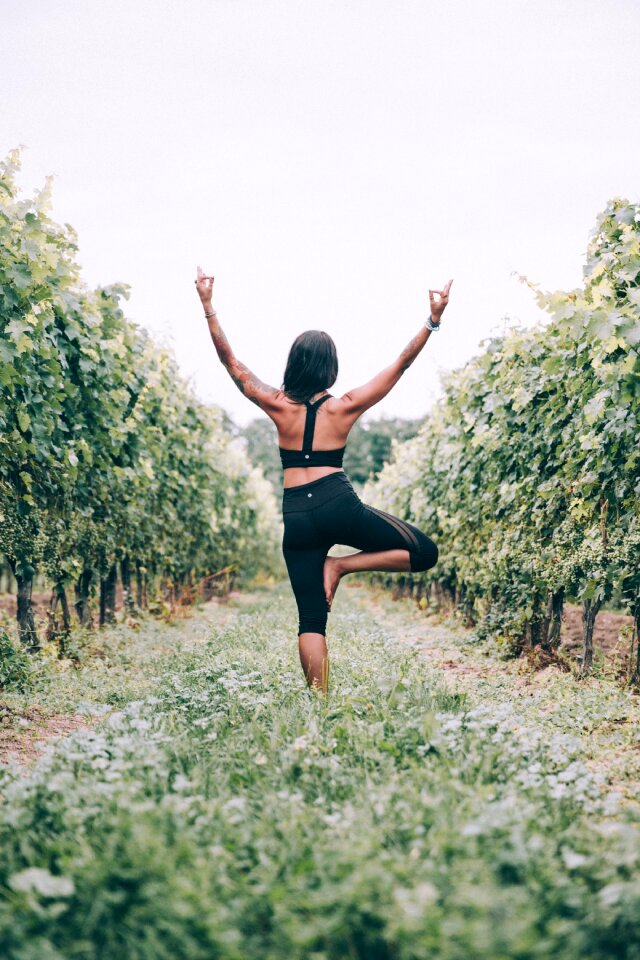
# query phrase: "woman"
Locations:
[[320, 507]]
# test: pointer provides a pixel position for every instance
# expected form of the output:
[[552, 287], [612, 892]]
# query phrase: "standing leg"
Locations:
[[314, 658], [305, 573]]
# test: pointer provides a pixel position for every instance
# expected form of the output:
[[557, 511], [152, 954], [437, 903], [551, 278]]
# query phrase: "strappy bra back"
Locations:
[[307, 457]]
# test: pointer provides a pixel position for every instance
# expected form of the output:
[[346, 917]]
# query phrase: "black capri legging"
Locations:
[[318, 515]]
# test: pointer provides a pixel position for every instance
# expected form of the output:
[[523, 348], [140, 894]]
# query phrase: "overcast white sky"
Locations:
[[328, 161]]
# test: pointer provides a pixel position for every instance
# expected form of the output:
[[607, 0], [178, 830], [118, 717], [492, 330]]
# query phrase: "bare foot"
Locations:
[[332, 577]]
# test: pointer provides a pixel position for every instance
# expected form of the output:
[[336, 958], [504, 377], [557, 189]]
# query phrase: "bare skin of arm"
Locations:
[[355, 402], [266, 397]]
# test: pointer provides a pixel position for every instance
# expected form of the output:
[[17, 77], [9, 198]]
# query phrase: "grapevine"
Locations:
[[527, 474]]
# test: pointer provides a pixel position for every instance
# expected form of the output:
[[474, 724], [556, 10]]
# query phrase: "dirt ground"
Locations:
[[23, 734], [611, 635]]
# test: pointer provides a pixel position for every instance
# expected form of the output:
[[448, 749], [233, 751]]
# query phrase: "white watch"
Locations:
[[430, 325]]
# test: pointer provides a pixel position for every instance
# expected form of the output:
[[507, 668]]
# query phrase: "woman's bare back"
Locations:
[[332, 427]]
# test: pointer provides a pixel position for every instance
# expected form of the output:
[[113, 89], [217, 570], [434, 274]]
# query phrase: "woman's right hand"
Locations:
[[204, 286], [438, 306]]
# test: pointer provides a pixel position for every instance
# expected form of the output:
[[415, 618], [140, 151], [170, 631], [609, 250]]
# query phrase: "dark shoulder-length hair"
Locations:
[[312, 366]]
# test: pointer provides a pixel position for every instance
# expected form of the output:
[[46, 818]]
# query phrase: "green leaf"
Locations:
[[24, 420], [24, 344], [7, 374]]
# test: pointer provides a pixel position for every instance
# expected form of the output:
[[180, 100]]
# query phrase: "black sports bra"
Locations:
[[308, 457]]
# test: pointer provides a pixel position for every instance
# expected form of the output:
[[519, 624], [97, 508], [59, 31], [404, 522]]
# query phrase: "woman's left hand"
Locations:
[[438, 308], [204, 286]]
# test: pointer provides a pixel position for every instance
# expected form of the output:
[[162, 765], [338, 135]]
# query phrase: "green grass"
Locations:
[[596, 708], [228, 812]]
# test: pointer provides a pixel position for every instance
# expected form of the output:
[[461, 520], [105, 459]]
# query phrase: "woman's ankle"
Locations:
[[338, 565]]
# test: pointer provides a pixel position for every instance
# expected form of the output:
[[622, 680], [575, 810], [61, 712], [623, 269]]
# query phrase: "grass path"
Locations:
[[436, 805], [605, 716], [116, 665]]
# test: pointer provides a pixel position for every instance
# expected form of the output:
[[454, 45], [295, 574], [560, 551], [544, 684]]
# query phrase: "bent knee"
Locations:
[[426, 556]]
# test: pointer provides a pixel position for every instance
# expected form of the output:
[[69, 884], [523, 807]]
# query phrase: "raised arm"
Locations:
[[251, 386], [358, 400]]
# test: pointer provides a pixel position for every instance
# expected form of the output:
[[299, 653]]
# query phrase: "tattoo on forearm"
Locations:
[[244, 379], [412, 350]]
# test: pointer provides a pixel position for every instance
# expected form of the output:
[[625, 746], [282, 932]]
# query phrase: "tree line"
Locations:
[[527, 474], [110, 467]]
